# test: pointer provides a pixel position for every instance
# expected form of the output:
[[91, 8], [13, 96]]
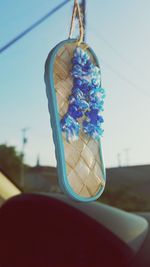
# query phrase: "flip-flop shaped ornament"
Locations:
[[75, 101]]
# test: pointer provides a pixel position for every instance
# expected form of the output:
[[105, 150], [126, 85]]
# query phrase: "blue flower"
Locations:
[[85, 87], [87, 98], [74, 112], [96, 82], [94, 116], [77, 82], [80, 103], [71, 127], [94, 91], [92, 130], [77, 92], [79, 52], [76, 71]]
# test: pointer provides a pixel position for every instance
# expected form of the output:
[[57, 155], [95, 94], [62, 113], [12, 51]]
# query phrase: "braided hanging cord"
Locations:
[[76, 10]]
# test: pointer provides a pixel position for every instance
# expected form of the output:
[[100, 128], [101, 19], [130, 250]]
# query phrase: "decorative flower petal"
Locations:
[[87, 98]]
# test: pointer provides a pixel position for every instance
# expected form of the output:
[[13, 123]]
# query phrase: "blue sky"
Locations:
[[118, 31]]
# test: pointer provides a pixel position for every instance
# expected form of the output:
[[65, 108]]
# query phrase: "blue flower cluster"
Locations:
[[86, 100]]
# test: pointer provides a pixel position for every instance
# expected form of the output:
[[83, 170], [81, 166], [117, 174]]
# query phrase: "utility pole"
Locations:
[[83, 3], [24, 142], [127, 156], [119, 159]]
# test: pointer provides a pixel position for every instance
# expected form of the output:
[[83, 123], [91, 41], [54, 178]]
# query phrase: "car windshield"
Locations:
[[118, 33]]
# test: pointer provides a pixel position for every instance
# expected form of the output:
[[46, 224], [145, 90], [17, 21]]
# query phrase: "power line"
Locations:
[[124, 78], [116, 52], [83, 10], [33, 26], [50, 13]]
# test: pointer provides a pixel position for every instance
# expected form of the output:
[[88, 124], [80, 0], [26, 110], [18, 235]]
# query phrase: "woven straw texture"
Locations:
[[83, 164]]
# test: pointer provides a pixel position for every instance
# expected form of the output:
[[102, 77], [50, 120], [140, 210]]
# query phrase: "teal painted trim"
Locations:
[[55, 124]]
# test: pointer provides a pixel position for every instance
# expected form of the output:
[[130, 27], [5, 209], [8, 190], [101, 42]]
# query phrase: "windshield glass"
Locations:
[[118, 33]]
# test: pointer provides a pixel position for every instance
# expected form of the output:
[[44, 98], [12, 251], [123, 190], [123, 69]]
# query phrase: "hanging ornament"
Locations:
[[75, 100]]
